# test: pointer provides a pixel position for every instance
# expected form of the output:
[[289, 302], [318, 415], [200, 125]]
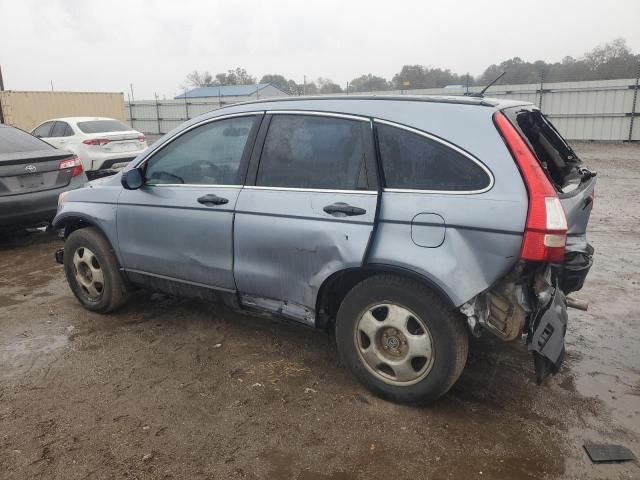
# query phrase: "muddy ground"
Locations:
[[168, 388]]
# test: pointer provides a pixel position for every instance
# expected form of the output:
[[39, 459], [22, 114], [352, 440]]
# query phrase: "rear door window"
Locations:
[[60, 129], [415, 162], [316, 152], [44, 130], [207, 155]]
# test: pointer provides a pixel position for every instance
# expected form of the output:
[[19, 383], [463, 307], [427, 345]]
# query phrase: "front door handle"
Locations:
[[344, 209], [212, 199]]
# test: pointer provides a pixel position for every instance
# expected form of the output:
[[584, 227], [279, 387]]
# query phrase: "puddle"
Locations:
[[24, 354]]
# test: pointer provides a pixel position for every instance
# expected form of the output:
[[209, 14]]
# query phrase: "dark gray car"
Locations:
[[32, 176], [403, 223]]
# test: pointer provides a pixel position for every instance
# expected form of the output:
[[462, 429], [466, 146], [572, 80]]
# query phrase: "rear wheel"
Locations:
[[92, 271], [400, 339]]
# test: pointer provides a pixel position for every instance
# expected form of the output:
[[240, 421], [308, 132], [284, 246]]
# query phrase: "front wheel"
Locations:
[[92, 271], [400, 339]]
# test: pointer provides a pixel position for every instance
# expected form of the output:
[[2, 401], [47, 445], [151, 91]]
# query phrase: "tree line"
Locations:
[[611, 60]]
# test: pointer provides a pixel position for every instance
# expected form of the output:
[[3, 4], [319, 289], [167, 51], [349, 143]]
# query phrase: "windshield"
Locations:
[[100, 126], [14, 140]]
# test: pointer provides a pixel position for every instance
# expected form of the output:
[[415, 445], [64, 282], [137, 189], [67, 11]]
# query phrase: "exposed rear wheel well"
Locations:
[[336, 287]]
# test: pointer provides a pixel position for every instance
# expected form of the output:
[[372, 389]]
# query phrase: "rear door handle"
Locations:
[[344, 209], [212, 199]]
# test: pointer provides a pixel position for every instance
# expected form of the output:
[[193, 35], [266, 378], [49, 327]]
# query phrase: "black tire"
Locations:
[[113, 292], [448, 337]]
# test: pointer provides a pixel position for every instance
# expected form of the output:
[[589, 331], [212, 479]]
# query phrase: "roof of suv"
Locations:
[[451, 99]]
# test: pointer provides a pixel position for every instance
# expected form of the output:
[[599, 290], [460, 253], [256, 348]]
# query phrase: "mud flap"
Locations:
[[546, 339]]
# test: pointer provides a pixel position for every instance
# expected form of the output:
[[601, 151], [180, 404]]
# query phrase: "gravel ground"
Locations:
[[170, 388]]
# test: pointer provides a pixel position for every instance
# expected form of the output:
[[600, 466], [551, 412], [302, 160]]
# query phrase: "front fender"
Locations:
[[96, 207]]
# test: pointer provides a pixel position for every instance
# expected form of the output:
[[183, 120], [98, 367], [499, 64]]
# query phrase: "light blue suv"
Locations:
[[403, 223]]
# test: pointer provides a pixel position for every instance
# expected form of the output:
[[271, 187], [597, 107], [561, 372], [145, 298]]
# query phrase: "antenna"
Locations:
[[481, 93]]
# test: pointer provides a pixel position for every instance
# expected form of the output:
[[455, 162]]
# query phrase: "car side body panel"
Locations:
[[480, 233], [164, 230], [481, 240], [286, 246]]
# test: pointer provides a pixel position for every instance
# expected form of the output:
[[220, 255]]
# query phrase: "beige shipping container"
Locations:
[[26, 110]]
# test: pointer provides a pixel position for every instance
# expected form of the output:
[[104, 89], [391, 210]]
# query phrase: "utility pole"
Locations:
[[158, 113], [51, 85], [1, 90], [347, 87], [304, 85], [130, 110], [132, 97], [541, 89], [633, 105]]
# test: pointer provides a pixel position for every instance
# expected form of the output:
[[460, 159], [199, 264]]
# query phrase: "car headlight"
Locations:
[[61, 198]]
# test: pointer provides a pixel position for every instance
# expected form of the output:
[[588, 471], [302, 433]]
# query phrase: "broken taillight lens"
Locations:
[[72, 162], [545, 233]]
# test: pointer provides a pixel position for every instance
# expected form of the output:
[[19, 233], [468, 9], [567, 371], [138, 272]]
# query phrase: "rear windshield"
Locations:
[[100, 126], [13, 140], [553, 152]]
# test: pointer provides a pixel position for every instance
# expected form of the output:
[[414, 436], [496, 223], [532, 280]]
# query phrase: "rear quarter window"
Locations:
[[416, 162]]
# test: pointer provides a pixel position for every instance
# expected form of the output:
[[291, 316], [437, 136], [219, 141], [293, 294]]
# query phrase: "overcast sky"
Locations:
[[104, 46]]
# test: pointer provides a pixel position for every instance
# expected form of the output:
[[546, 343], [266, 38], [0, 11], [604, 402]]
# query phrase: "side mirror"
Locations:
[[132, 179]]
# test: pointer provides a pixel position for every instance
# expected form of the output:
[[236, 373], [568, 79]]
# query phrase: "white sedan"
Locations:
[[102, 144]]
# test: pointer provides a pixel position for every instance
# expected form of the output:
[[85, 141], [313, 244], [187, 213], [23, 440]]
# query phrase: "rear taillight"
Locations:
[[141, 138], [72, 162], [545, 233], [96, 141]]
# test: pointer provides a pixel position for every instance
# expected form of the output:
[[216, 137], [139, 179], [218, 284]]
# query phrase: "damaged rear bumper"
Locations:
[[531, 303], [546, 336]]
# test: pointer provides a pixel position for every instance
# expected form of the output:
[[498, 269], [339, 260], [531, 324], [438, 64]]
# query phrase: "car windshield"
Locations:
[[100, 126], [13, 140]]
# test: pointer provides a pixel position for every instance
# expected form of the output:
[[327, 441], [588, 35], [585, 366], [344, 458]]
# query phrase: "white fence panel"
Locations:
[[591, 110]]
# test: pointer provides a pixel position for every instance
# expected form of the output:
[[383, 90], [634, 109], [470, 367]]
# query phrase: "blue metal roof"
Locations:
[[224, 91]]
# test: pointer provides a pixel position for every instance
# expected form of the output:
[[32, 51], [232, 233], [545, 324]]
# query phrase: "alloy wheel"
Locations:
[[88, 273], [394, 344]]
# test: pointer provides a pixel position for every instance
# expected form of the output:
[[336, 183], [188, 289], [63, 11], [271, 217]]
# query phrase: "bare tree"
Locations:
[[196, 79], [238, 76], [277, 81], [326, 85]]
